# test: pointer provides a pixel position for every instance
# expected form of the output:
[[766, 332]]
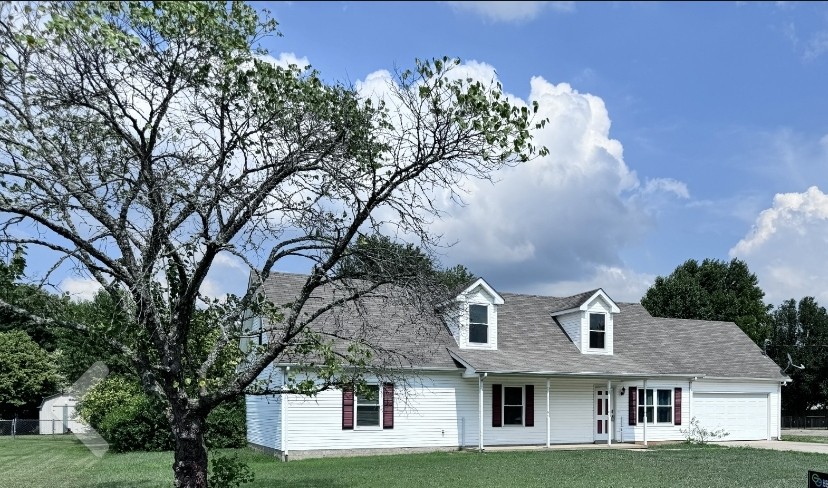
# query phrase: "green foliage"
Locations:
[[27, 374], [696, 434], [378, 258], [801, 330], [712, 290], [130, 420], [229, 471]]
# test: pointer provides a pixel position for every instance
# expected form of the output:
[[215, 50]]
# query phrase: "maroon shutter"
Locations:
[[530, 406], [388, 405], [347, 408], [497, 405], [677, 407], [633, 405]]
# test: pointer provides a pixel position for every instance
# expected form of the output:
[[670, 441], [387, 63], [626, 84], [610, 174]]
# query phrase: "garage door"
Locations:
[[743, 416]]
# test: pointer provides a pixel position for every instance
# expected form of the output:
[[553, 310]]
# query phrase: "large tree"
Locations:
[[140, 141], [712, 290], [801, 331], [27, 374]]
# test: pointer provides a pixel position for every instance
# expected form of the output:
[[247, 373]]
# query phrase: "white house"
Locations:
[[512, 369], [58, 415]]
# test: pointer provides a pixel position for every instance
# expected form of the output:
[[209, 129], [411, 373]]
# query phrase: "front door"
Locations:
[[601, 414]]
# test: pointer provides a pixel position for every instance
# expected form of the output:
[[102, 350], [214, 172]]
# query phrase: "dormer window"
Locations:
[[479, 324], [597, 330]]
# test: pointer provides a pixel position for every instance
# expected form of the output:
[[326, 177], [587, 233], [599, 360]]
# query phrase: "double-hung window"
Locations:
[[478, 324], [597, 330], [513, 405], [658, 405], [368, 407]]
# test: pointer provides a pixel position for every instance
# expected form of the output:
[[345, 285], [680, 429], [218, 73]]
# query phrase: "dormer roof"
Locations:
[[497, 299], [581, 301]]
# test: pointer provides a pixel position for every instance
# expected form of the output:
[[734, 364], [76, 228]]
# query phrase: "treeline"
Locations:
[[728, 291]]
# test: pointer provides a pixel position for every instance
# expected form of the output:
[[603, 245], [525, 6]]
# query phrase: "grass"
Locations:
[[65, 462], [816, 439]]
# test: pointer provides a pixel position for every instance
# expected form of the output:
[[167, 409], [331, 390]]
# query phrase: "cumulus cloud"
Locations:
[[510, 11], [80, 289], [787, 247], [286, 59], [554, 225]]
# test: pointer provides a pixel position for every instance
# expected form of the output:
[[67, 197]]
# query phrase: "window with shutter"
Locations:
[[633, 405], [347, 408], [388, 406], [497, 405], [677, 412], [530, 406]]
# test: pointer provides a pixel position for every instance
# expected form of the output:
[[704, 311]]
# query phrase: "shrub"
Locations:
[[229, 471], [696, 434], [130, 420]]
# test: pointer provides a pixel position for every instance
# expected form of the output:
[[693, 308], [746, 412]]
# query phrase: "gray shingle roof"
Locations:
[[568, 303], [529, 340]]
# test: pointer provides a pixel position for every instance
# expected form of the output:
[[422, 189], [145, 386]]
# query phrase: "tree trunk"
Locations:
[[190, 462]]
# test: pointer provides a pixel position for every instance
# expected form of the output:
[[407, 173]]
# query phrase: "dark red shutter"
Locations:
[[347, 408], [497, 405], [530, 406], [677, 407], [388, 405], [633, 405]]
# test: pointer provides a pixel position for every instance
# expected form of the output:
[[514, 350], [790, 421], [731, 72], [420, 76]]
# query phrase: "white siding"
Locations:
[[769, 390], [478, 296], [598, 305], [655, 431], [571, 324], [428, 414], [571, 409], [52, 416], [264, 414]]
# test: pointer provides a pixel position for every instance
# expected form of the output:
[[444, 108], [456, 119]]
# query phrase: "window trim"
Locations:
[[522, 407], [380, 411], [590, 331], [486, 324], [642, 406]]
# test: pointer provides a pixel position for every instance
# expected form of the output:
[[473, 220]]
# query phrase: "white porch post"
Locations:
[[480, 412], [285, 416], [609, 412], [645, 412], [548, 421]]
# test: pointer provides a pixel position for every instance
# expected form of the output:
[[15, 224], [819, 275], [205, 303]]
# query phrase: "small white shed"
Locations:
[[58, 415]]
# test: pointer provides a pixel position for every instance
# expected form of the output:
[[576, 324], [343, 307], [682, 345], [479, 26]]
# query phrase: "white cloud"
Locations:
[[285, 60], [559, 219], [79, 289], [787, 247], [621, 284], [510, 11]]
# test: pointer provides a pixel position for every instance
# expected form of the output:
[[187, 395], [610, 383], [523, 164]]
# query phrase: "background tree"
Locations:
[[139, 141], [712, 290], [27, 374], [801, 330]]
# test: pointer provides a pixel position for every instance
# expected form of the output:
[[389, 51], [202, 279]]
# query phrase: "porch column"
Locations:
[[645, 412], [609, 412], [548, 424], [480, 411]]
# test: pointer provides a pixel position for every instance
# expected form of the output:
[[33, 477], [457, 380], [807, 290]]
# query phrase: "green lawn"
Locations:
[[817, 439], [65, 462]]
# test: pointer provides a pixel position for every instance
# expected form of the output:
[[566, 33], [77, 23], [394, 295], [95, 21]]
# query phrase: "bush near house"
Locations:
[[131, 420]]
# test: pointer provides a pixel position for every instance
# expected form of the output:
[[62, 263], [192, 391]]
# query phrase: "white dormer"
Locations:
[[588, 322], [473, 320]]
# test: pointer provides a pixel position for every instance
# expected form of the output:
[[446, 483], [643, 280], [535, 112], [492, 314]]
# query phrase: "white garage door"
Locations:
[[743, 415]]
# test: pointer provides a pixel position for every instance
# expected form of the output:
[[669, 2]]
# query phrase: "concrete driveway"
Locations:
[[779, 445]]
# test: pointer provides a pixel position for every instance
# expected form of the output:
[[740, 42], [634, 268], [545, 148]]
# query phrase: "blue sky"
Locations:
[[679, 130]]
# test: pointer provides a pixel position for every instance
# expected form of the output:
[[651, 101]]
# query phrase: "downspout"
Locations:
[[609, 413], [645, 413], [284, 417], [690, 401], [480, 412], [548, 421], [779, 412]]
